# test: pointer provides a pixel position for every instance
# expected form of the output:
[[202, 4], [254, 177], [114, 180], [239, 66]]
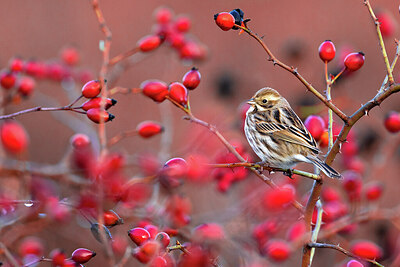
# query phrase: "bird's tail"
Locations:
[[325, 168]]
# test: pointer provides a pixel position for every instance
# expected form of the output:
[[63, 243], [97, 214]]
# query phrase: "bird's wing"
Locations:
[[288, 133]]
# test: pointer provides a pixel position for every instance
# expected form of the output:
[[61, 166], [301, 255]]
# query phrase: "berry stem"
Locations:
[[122, 90], [11, 259], [74, 102], [123, 56], [294, 71], [381, 42], [115, 139], [396, 57], [345, 252], [317, 228], [39, 108]]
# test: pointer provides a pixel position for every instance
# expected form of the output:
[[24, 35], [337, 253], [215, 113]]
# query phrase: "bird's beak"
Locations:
[[251, 101]]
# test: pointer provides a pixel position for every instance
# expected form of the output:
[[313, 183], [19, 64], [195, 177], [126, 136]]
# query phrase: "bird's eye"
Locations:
[[265, 101]]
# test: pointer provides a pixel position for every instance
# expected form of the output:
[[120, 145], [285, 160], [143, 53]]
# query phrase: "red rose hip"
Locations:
[[277, 250], [26, 86], [14, 137], [148, 129], [139, 235], [82, 255], [96, 103], [224, 20], [91, 89], [7, 80], [191, 79], [392, 122], [354, 61], [97, 115], [327, 51], [315, 125], [149, 43], [178, 93], [155, 89]]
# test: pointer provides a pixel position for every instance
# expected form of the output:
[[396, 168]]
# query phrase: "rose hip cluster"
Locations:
[[22, 75], [173, 31], [352, 61], [31, 249], [151, 245], [177, 92]]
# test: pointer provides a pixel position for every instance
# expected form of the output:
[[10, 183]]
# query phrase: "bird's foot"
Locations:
[[288, 173], [261, 168]]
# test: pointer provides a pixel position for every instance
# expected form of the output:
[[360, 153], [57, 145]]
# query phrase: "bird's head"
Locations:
[[266, 98]]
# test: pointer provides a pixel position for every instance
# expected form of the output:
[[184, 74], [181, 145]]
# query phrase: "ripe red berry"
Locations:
[[224, 20], [158, 261], [26, 86], [163, 15], [208, 232], [91, 89], [276, 199], [82, 255], [31, 245], [163, 238], [80, 141], [182, 24], [296, 231], [96, 103], [387, 25], [366, 249], [178, 93], [69, 263], [354, 61], [7, 80], [373, 190], [155, 89], [324, 139], [16, 64], [149, 43], [111, 218], [97, 115], [146, 252], [57, 257], [315, 125], [327, 51], [148, 129], [191, 79], [277, 250], [354, 263], [392, 122], [352, 183], [14, 137], [139, 235], [70, 55]]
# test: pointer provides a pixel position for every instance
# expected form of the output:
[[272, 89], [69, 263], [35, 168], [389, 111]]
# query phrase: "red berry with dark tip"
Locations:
[[148, 129], [191, 79], [82, 255], [392, 122], [111, 218], [139, 235], [26, 86], [7, 80], [224, 20], [14, 137], [149, 43], [354, 61], [99, 115], [155, 89], [178, 93], [327, 51], [96, 103], [91, 89]]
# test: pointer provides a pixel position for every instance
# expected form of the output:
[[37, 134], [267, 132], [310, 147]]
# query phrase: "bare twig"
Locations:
[[381, 43], [345, 252], [123, 56]]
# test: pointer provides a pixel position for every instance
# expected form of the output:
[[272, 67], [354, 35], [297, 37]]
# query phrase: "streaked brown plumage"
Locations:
[[278, 136]]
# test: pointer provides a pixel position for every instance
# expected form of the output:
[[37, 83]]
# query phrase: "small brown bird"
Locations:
[[278, 136]]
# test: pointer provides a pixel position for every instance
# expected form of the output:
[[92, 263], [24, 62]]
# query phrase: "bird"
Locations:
[[278, 136]]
